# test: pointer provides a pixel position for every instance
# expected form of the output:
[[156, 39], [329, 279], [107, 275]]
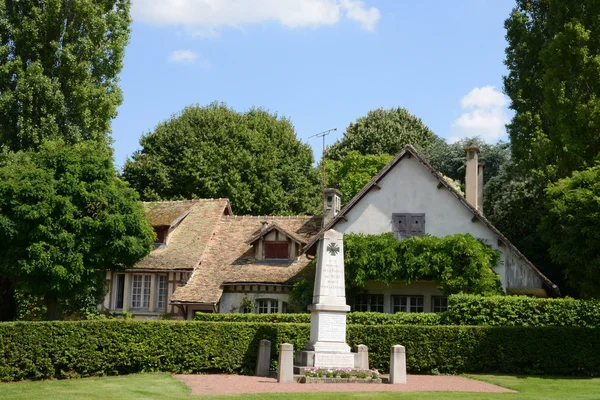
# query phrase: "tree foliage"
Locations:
[[451, 159], [59, 62], [353, 171], [65, 217], [553, 58], [252, 158], [382, 132], [571, 228], [458, 263]]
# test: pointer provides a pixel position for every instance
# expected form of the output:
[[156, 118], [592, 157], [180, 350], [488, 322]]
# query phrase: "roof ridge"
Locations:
[[255, 217], [206, 199]]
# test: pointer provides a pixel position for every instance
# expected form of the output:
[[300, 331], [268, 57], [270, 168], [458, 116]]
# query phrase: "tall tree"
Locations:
[[252, 158], [65, 218], [553, 58], [382, 132], [59, 61], [571, 228]]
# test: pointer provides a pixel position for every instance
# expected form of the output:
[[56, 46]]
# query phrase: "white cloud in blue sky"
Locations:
[[485, 115], [183, 56], [206, 17]]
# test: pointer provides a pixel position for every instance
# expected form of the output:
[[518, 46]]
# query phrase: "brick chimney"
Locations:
[[332, 204], [472, 177]]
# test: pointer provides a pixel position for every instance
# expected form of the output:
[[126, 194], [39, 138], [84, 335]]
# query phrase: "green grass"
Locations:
[[164, 386]]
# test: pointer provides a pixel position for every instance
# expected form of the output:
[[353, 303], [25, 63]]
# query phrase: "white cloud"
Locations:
[[183, 56], [484, 115], [357, 11], [205, 17]]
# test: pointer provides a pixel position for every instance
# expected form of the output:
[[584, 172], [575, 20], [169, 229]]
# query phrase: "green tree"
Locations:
[[570, 227], [514, 203], [353, 172], [252, 158], [382, 132], [553, 58], [65, 219], [451, 159], [59, 61]]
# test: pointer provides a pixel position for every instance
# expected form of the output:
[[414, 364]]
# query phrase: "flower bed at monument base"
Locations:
[[310, 379], [340, 375]]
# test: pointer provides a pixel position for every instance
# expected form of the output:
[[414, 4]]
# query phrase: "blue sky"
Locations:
[[321, 63]]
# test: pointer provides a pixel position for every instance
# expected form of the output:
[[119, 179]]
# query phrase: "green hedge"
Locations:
[[463, 310], [522, 311], [39, 350], [358, 318]]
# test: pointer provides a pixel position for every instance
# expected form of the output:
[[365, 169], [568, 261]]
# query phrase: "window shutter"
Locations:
[[416, 225], [399, 225]]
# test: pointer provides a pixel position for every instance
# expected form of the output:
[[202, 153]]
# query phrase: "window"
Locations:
[[407, 304], [161, 236], [161, 292], [439, 304], [267, 306], [368, 302], [119, 285], [140, 291], [407, 225], [276, 250]]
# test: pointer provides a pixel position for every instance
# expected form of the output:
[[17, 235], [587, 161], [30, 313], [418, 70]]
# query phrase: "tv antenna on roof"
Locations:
[[323, 134]]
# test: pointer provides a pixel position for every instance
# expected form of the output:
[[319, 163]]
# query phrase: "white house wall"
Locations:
[[409, 187]]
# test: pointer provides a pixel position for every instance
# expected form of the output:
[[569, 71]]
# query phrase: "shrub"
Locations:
[[522, 311], [358, 318], [463, 310], [42, 350]]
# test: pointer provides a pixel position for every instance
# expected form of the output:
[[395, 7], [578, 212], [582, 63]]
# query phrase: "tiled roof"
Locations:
[[229, 258], [188, 240], [297, 237], [167, 213]]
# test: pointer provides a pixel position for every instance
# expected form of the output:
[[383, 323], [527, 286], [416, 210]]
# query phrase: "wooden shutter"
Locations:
[[416, 224], [399, 225], [276, 250]]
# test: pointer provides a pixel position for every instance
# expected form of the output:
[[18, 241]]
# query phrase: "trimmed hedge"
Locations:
[[40, 350], [522, 311], [463, 309], [358, 318]]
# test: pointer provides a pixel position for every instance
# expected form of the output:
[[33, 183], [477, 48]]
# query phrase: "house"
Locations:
[[409, 197], [207, 259]]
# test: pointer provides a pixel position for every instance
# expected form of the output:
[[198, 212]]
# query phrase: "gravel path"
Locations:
[[238, 384]]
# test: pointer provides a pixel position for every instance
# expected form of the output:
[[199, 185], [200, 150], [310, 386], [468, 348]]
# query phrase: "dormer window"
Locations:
[[274, 243], [161, 236], [276, 250]]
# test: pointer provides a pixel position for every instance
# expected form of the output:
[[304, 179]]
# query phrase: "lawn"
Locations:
[[164, 386]]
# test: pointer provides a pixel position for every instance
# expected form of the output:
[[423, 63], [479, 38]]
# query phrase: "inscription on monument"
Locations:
[[332, 327], [339, 360], [333, 276]]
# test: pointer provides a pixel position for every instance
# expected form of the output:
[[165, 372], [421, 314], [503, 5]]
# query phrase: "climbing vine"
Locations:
[[458, 263]]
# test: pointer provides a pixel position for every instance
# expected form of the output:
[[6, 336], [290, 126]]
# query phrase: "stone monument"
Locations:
[[327, 347]]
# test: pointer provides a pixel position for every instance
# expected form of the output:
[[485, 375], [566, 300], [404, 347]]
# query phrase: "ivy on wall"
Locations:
[[458, 263]]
